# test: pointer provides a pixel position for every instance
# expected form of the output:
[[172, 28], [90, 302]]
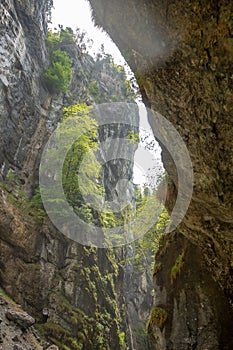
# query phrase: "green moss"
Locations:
[[55, 330], [158, 317], [61, 337], [60, 344], [157, 268], [164, 243], [7, 297], [121, 336], [11, 176], [140, 330], [176, 268]]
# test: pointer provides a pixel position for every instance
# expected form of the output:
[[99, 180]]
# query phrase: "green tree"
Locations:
[[73, 176], [59, 72]]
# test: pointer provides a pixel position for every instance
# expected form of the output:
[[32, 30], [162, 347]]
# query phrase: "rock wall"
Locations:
[[181, 54], [198, 313], [75, 293], [138, 291], [70, 290], [23, 55]]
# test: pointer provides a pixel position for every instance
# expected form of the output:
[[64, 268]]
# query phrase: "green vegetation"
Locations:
[[157, 268], [82, 179], [37, 205], [139, 331], [93, 88], [146, 247], [11, 176], [32, 209], [175, 271], [121, 338], [59, 72], [74, 338], [158, 317], [164, 243], [87, 332], [134, 137], [6, 297], [120, 90]]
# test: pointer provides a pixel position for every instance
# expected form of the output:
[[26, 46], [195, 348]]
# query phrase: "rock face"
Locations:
[[23, 320], [22, 55], [71, 290], [181, 53], [16, 331], [75, 294], [199, 314], [138, 287]]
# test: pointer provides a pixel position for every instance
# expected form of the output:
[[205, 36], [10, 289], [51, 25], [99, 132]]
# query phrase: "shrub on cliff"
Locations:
[[59, 72]]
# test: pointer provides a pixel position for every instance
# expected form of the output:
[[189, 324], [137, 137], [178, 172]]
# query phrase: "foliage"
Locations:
[[75, 185], [122, 90], [158, 317], [77, 120], [83, 183], [157, 268], [82, 41], [36, 203], [59, 72], [11, 176], [7, 297], [134, 137], [148, 245], [93, 88], [121, 336], [176, 268]]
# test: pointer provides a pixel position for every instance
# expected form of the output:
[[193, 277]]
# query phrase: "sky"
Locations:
[[77, 13]]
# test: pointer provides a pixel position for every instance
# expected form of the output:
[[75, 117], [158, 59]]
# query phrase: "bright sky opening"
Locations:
[[77, 13]]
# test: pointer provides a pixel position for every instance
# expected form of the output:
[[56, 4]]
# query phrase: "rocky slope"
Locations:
[[181, 53], [17, 331]]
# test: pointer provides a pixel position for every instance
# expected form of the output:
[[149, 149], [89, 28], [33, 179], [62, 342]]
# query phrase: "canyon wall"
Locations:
[[181, 54], [76, 294]]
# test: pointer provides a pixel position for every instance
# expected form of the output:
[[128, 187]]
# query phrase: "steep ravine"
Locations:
[[78, 296], [181, 53]]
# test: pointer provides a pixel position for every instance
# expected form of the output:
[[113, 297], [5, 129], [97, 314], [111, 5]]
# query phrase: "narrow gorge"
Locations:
[[165, 290]]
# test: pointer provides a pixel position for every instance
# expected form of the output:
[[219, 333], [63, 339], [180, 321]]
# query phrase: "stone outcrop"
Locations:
[[22, 319], [16, 331], [181, 53]]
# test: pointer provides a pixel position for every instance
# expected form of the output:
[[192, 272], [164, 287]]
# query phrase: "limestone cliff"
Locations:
[[23, 55], [75, 293], [181, 53]]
